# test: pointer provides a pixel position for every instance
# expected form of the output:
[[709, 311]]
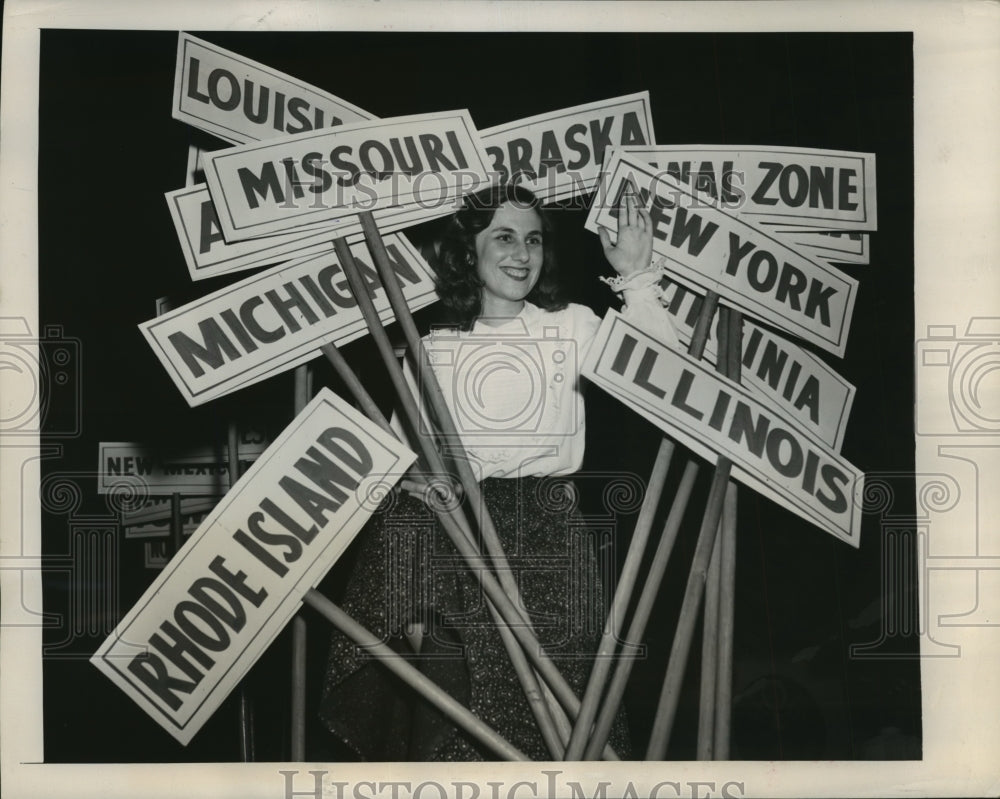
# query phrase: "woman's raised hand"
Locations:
[[633, 249]]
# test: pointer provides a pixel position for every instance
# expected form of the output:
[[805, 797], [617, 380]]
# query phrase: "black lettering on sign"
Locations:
[[152, 672], [257, 104], [763, 275], [833, 477], [496, 153], [194, 65], [771, 172], [573, 134], [680, 397], [209, 231], [257, 330], [795, 186], [691, 232], [550, 158], [262, 185], [213, 350], [847, 189]]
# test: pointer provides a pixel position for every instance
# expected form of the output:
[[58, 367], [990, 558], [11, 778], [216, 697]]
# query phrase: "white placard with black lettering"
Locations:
[[241, 576], [709, 248], [805, 387], [712, 415], [208, 254], [834, 246], [203, 471], [804, 186], [559, 154], [240, 100], [425, 160], [276, 320]]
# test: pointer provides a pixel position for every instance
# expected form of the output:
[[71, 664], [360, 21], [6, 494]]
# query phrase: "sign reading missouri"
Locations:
[[241, 101], [314, 177], [276, 320], [241, 576], [559, 154], [710, 248], [712, 415], [775, 185]]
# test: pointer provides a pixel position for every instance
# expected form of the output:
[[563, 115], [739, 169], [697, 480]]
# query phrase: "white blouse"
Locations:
[[514, 387]]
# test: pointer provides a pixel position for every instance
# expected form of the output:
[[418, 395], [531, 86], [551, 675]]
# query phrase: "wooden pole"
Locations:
[[694, 590], [435, 397], [299, 631], [604, 658], [709, 660], [245, 712], [523, 628], [727, 579], [393, 661], [176, 522], [710, 617], [583, 731], [643, 610], [453, 522]]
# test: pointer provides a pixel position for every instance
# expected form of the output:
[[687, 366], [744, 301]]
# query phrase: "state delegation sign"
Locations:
[[803, 186], [241, 576], [316, 177], [153, 472], [707, 247], [837, 246], [559, 154], [791, 377], [276, 320], [208, 254], [712, 415], [242, 101]]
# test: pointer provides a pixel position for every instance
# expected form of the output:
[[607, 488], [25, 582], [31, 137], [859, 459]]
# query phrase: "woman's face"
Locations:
[[509, 259]]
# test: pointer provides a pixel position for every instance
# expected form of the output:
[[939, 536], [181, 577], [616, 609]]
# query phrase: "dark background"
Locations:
[[109, 149]]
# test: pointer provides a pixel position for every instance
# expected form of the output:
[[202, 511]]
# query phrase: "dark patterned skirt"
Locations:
[[411, 585]]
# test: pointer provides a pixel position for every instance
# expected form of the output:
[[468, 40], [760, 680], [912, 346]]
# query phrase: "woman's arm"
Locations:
[[637, 280]]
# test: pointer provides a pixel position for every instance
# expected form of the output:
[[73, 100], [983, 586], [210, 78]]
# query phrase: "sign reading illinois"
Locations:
[[711, 415]]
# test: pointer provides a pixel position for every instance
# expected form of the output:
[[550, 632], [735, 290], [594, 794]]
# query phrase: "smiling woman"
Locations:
[[511, 379], [805, 601], [509, 260]]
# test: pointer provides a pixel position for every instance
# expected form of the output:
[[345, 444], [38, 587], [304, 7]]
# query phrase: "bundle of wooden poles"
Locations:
[[572, 727]]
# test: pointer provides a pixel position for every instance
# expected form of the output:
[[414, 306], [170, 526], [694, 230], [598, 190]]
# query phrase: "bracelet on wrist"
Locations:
[[637, 280]]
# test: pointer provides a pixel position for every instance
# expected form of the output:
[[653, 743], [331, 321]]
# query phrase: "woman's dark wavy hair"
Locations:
[[458, 284]]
